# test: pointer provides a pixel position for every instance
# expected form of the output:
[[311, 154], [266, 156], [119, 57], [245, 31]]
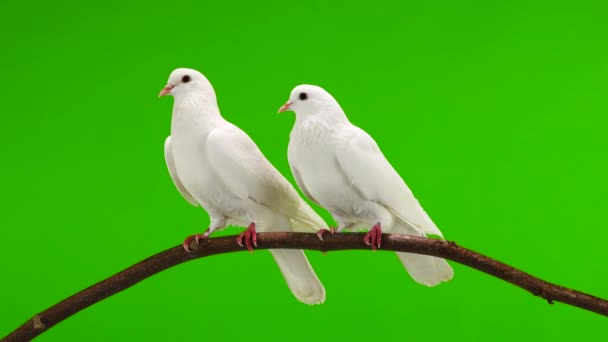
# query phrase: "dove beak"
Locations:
[[166, 90], [285, 107]]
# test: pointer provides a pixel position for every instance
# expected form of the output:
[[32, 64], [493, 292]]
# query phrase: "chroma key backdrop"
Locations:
[[494, 113]]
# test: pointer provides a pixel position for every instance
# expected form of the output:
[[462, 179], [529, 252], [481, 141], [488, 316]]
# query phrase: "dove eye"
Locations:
[[303, 96], [186, 79]]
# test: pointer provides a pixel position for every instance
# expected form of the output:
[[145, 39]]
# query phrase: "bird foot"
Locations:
[[196, 238], [250, 236], [320, 232], [374, 237]]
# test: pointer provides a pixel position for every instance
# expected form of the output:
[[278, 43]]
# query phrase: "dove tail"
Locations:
[[425, 269], [299, 275]]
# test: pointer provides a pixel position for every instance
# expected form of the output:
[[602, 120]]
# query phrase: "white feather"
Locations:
[[223, 170], [340, 167], [367, 168], [173, 172]]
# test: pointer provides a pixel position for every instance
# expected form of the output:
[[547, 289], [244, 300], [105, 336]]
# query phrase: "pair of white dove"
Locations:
[[337, 165]]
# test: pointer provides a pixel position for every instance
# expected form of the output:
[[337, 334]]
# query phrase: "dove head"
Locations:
[[184, 82], [310, 100]]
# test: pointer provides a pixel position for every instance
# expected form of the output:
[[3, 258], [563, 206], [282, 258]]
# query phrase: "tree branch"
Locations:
[[400, 243]]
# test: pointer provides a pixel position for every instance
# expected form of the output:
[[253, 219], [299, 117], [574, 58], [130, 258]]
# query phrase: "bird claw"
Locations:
[[320, 232], [374, 237], [196, 238], [250, 237]]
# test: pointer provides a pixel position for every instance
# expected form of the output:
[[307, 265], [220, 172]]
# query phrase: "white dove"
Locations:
[[216, 165], [340, 167]]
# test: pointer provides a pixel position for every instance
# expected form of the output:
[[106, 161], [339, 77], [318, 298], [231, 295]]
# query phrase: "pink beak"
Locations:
[[166, 90], [285, 107]]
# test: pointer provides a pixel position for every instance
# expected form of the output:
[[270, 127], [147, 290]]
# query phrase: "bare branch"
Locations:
[[401, 243]]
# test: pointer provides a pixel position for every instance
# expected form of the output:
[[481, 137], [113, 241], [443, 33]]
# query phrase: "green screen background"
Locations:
[[494, 114]]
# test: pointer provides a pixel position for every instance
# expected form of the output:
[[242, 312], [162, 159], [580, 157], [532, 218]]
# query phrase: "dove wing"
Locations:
[[361, 161], [174, 176], [243, 168], [298, 178]]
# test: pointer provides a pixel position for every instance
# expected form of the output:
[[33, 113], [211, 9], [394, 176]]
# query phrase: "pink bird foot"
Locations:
[[320, 232], [195, 237], [250, 236], [374, 237]]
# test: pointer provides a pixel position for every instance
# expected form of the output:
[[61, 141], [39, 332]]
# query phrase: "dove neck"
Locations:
[[199, 113], [331, 116]]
